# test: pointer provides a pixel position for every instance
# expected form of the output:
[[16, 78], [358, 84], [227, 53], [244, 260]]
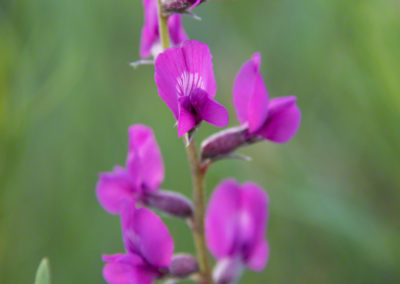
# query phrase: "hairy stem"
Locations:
[[199, 200], [198, 178]]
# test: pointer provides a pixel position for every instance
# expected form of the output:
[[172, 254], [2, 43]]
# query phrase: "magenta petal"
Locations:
[[144, 161], [236, 223], [113, 190], [283, 121], [215, 113], [220, 222], [131, 242], [250, 95], [176, 31], [146, 43], [186, 119], [254, 214], [198, 61], [258, 105], [118, 273], [145, 234], [205, 108], [120, 268], [169, 69], [144, 276], [180, 70], [259, 256], [157, 245], [112, 257], [243, 87], [131, 259], [150, 35], [127, 269]]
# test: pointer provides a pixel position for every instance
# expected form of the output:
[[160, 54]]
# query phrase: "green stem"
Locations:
[[163, 27], [199, 200], [198, 179]]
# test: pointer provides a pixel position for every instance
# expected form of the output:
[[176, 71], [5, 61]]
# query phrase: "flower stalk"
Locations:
[[163, 27], [198, 179], [199, 200]]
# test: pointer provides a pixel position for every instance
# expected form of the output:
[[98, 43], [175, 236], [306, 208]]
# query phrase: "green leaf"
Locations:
[[43, 272]]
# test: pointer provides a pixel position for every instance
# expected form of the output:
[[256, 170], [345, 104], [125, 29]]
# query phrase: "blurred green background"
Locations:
[[68, 95]]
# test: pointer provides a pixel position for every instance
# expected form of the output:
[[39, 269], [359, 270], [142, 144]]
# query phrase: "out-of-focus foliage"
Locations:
[[43, 272], [67, 97]]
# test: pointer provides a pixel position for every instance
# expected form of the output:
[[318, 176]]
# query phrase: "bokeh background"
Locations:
[[68, 96]]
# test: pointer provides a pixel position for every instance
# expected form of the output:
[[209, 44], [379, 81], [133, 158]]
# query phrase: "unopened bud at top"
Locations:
[[179, 6]]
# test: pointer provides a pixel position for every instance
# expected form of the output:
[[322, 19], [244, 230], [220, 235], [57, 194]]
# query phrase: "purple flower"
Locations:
[[185, 79], [276, 120], [149, 247], [139, 182], [235, 227], [143, 174], [150, 42]]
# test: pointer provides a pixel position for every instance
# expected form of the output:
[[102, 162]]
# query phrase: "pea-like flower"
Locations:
[[144, 172], [139, 182], [276, 120], [235, 227], [150, 42], [149, 248], [185, 79]]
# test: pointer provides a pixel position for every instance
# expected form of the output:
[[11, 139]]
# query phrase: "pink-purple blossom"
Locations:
[[149, 248], [150, 42], [277, 119], [235, 225], [143, 173], [185, 79]]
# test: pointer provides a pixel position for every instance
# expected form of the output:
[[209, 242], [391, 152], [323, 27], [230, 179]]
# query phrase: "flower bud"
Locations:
[[228, 271], [183, 265], [178, 6], [222, 144], [169, 202]]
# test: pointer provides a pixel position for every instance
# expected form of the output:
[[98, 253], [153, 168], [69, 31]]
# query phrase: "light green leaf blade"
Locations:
[[43, 272]]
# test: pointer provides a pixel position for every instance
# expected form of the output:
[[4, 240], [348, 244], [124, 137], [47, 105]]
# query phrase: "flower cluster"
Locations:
[[234, 225]]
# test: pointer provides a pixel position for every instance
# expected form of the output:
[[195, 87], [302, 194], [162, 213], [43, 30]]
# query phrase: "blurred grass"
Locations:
[[67, 97]]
